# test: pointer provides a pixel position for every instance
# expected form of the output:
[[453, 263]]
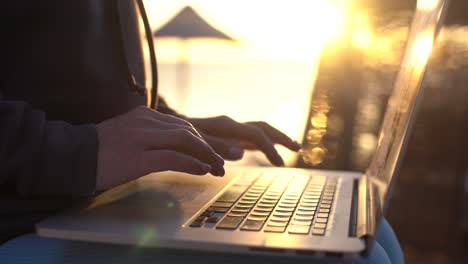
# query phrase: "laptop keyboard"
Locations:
[[277, 204]]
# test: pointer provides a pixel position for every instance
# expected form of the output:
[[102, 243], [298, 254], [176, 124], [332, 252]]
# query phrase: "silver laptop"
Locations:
[[283, 211]]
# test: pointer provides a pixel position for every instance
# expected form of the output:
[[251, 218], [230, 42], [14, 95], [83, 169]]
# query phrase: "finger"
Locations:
[[145, 111], [172, 119], [226, 127], [277, 136], [248, 145], [175, 120], [168, 160], [145, 122], [182, 141], [228, 149], [256, 136]]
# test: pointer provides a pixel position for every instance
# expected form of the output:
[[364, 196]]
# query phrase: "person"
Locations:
[[71, 127]]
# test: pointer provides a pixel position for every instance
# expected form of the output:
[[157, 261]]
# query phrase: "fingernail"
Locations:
[[236, 152], [219, 159], [218, 172], [222, 172], [280, 162], [298, 145], [206, 168]]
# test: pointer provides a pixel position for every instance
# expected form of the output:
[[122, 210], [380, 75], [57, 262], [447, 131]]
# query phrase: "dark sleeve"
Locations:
[[43, 157]]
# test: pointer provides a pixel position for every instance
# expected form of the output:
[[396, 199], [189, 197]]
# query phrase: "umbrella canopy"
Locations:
[[188, 24]]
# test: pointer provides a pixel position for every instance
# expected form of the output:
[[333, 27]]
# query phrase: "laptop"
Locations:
[[263, 210]]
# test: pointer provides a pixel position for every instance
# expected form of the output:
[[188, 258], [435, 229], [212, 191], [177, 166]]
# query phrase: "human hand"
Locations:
[[143, 141], [229, 138]]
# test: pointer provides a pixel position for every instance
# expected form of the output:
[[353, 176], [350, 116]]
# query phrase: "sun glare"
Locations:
[[422, 48], [265, 29], [361, 35], [427, 5]]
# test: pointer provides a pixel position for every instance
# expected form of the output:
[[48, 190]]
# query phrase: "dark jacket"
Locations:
[[63, 71]]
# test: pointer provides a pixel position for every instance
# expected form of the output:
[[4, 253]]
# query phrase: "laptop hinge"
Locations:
[[365, 223]]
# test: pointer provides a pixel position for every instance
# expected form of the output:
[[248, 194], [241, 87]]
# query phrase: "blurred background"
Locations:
[[322, 72]]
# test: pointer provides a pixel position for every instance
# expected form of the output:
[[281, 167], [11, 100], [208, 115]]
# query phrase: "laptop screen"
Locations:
[[400, 113]]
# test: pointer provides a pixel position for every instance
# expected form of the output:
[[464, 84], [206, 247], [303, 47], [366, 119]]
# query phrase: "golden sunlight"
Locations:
[[361, 35], [270, 68], [422, 47], [265, 29], [427, 5]]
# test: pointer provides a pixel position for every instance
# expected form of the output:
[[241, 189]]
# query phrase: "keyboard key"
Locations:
[[230, 222], [196, 224], [288, 203], [282, 205], [258, 188], [320, 225], [305, 213], [321, 220], [266, 205], [285, 210], [276, 197], [240, 210], [323, 210], [326, 206], [237, 214], [299, 229], [280, 219], [299, 222], [306, 209], [248, 199], [246, 202], [273, 223], [213, 219], [322, 215], [252, 225], [260, 209], [304, 218], [219, 209], [231, 195], [326, 202], [259, 213], [276, 213], [257, 218], [222, 204], [207, 213], [307, 204], [244, 206], [253, 192], [273, 192], [309, 200], [312, 192], [275, 229], [312, 196], [318, 231]]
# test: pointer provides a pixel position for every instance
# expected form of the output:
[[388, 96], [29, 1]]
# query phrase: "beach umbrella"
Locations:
[[185, 26]]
